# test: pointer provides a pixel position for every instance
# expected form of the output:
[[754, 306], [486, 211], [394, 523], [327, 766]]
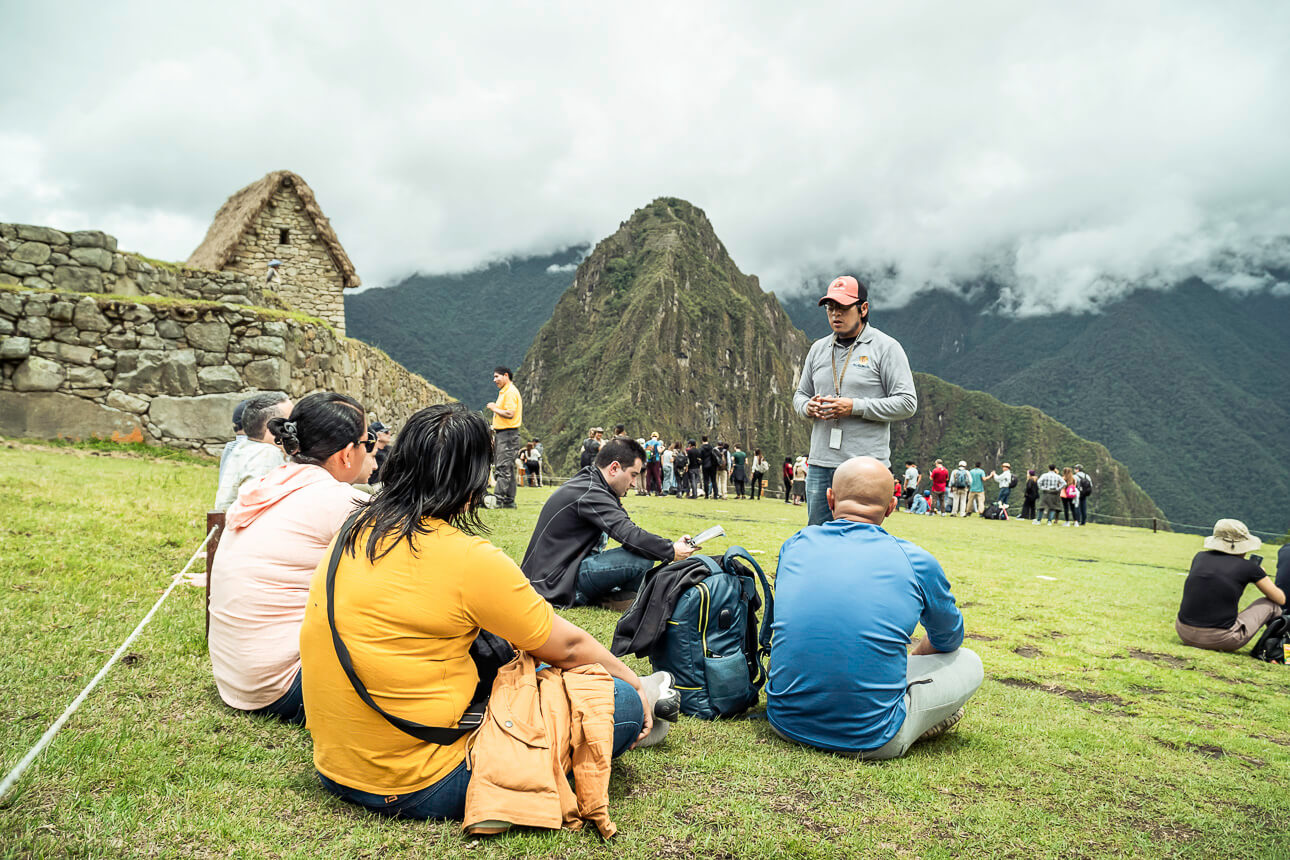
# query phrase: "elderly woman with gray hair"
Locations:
[[1208, 617]]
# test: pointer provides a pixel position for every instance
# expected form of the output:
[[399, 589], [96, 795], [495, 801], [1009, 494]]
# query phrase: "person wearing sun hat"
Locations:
[[1208, 616], [855, 381]]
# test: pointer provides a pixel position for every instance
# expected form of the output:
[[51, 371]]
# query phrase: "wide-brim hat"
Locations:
[[1233, 538]]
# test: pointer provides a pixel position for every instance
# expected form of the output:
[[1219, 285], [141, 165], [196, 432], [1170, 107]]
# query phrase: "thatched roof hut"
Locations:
[[242, 212]]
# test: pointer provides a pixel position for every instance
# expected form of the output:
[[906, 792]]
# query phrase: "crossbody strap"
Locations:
[[470, 720]]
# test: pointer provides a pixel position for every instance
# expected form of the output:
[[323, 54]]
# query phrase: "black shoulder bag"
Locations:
[[490, 653]]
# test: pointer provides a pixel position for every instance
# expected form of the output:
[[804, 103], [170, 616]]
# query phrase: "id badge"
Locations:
[[835, 438]]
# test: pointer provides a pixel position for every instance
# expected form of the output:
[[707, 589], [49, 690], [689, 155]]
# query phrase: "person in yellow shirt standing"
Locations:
[[508, 414]]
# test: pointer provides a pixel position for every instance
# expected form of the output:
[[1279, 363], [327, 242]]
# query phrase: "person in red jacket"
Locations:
[[940, 479]]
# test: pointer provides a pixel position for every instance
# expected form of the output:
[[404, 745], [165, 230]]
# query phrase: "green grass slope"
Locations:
[[1096, 733], [955, 424]]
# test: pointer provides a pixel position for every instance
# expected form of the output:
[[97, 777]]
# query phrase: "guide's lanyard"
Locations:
[[837, 379], [835, 433]]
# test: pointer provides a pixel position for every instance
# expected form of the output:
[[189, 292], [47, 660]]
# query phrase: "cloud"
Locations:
[[555, 268], [1067, 153]]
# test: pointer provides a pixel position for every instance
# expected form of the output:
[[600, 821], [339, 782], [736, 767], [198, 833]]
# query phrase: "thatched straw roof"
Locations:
[[240, 212]]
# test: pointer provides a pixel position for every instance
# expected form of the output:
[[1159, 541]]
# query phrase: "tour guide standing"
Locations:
[[508, 414], [855, 381], [566, 559], [847, 599]]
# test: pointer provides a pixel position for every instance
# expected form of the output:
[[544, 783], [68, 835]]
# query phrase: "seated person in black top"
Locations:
[[1208, 615], [567, 561]]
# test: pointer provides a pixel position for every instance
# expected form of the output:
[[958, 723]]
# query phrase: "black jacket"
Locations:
[[707, 456], [644, 623], [569, 528]]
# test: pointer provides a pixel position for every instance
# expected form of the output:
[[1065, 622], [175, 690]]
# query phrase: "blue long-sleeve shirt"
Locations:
[[847, 599]]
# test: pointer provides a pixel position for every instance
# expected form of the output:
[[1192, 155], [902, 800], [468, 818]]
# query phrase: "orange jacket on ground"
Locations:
[[539, 727]]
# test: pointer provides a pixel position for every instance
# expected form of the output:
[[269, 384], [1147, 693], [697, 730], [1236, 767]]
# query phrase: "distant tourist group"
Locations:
[[406, 642], [962, 492], [688, 470]]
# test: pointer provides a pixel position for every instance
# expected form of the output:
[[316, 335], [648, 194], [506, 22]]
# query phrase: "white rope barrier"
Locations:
[[17, 772]]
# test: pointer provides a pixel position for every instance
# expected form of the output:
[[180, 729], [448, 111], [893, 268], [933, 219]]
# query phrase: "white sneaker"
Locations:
[[664, 698]]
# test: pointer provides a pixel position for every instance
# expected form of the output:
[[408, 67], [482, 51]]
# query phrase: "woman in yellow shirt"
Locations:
[[413, 589]]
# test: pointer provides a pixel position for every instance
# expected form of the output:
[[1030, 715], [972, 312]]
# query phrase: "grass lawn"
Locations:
[[1095, 734]]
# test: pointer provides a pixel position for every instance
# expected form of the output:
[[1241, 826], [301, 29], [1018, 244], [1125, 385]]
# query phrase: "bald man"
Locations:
[[847, 599]]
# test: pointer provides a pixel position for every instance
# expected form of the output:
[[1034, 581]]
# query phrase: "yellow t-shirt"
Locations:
[[509, 398], [408, 622]]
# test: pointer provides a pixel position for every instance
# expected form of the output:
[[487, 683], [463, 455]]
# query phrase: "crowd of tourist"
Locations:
[[961, 492]]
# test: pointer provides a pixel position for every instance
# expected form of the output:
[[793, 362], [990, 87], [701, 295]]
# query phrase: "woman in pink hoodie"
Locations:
[[274, 536]]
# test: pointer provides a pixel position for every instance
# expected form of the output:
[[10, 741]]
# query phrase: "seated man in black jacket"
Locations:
[[567, 561]]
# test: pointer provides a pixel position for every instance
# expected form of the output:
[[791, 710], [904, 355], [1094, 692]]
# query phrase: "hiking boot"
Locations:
[[618, 601], [942, 727], [665, 698]]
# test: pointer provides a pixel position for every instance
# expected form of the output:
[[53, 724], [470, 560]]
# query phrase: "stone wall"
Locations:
[[310, 281], [170, 372], [87, 261]]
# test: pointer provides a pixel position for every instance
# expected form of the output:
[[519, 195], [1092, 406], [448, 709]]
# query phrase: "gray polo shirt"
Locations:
[[878, 380]]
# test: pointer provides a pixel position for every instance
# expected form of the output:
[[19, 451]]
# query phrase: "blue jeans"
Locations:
[[1004, 494], [606, 572], [447, 797], [818, 481], [290, 708]]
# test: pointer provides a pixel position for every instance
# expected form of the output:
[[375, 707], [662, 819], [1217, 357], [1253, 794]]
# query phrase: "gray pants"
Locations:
[[939, 684], [1232, 638], [505, 449]]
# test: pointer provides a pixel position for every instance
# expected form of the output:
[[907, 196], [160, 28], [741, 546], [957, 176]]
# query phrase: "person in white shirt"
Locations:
[[239, 436], [1004, 479], [258, 455]]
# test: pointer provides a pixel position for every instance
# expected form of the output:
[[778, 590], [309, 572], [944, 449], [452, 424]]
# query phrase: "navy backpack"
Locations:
[[713, 646]]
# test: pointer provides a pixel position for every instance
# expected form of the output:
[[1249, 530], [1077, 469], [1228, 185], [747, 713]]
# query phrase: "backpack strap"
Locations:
[[470, 720], [758, 647]]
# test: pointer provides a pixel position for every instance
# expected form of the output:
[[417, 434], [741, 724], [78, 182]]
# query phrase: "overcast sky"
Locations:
[[1065, 149]]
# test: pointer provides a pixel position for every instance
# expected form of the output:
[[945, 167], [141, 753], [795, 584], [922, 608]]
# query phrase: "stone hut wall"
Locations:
[[87, 261], [310, 281], [170, 371]]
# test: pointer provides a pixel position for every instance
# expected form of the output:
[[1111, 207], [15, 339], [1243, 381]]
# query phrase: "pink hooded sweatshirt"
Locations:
[[275, 535]]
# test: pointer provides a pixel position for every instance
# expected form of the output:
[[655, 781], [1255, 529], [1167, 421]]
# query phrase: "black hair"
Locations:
[[1052, 467], [624, 452], [978, 464], [257, 412], [505, 371], [320, 425], [691, 443], [705, 438], [620, 429], [438, 468]]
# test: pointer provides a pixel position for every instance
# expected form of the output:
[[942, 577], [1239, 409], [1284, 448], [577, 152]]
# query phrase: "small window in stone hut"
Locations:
[[284, 236]]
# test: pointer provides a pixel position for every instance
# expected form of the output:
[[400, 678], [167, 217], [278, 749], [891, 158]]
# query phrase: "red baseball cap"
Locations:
[[846, 290]]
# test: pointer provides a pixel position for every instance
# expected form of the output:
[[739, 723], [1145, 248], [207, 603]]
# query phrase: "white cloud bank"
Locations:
[[1069, 152]]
